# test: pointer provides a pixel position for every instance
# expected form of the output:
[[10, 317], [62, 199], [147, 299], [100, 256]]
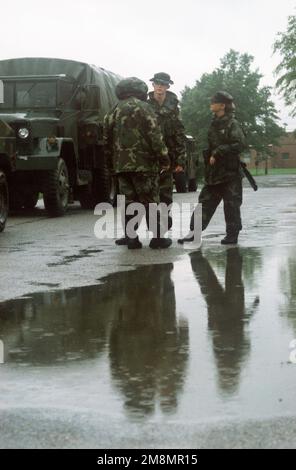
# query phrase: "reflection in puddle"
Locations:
[[205, 337], [148, 347], [228, 316]]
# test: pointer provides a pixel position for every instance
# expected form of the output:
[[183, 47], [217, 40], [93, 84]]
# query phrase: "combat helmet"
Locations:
[[131, 86], [222, 97]]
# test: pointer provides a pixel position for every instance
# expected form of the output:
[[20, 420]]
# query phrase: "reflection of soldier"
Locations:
[[135, 152], [227, 315], [148, 348]]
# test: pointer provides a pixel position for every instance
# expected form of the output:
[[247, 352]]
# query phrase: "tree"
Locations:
[[255, 109], [286, 46]]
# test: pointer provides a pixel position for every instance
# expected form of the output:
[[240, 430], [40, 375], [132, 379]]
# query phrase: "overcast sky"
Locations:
[[132, 37]]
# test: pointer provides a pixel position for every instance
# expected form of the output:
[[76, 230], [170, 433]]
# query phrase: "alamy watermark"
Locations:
[[161, 220], [1, 352], [1, 92], [292, 346]]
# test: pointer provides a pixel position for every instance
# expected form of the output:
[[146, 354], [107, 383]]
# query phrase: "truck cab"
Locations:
[[58, 120]]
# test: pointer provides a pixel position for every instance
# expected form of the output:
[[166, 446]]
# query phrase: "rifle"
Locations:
[[243, 166], [248, 175]]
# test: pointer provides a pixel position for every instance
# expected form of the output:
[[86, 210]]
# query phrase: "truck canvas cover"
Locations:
[[84, 75]]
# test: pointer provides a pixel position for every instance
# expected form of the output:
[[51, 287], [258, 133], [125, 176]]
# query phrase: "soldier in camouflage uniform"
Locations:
[[135, 152], [222, 169], [165, 105]]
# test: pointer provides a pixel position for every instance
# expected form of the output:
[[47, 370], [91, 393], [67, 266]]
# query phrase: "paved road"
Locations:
[[109, 348]]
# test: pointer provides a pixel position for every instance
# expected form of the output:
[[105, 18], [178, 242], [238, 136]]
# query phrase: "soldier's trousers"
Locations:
[[232, 195], [166, 185], [140, 187]]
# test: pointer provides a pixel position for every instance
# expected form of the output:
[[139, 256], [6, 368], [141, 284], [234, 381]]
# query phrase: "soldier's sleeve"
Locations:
[[108, 141], [236, 143], [155, 138]]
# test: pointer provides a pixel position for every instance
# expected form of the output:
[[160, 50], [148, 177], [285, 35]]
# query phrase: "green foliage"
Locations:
[[255, 109], [286, 46]]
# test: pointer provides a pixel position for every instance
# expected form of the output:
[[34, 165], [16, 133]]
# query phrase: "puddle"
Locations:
[[71, 258], [205, 338]]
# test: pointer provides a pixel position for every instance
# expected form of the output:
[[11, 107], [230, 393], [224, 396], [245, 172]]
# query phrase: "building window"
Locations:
[[285, 156]]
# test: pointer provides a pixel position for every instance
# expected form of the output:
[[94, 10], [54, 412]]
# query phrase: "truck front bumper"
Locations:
[[36, 162]]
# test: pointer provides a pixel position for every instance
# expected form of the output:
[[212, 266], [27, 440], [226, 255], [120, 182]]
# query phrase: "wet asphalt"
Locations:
[[175, 348]]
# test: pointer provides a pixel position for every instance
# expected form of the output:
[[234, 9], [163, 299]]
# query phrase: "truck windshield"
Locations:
[[35, 94]]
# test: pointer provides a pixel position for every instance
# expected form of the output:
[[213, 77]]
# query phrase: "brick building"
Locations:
[[284, 154]]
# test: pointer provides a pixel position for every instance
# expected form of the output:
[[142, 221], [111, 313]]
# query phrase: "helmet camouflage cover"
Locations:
[[222, 97], [131, 86]]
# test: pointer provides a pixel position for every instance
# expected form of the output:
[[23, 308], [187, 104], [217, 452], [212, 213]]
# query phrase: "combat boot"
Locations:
[[190, 236], [121, 241], [187, 239], [134, 243], [230, 239], [158, 243]]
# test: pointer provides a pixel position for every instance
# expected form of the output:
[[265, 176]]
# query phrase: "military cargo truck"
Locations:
[[192, 163], [187, 180], [7, 162], [56, 108]]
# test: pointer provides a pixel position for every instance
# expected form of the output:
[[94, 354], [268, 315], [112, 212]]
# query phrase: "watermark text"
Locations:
[[162, 220], [1, 352]]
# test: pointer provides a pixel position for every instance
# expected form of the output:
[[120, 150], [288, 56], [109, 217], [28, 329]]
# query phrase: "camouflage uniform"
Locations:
[[134, 148], [223, 179], [174, 137], [133, 144]]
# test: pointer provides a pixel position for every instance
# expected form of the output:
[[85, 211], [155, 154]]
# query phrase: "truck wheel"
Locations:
[[30, 200], [113, 191], [192, 185], [180, 182], [100, 190], [56, 190], [104, 190], [15, 201], [3, 200], [85, 197]]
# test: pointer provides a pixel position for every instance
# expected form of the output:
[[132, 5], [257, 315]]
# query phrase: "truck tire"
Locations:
[[180, 182], [86, 198], [192, 185], [103, 185], [15, 201], [56, 190], [113, 191], [30, 200], [3, 200], [100, 190]]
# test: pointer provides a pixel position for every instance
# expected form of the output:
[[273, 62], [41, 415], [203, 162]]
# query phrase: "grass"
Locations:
[[274, 171]]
